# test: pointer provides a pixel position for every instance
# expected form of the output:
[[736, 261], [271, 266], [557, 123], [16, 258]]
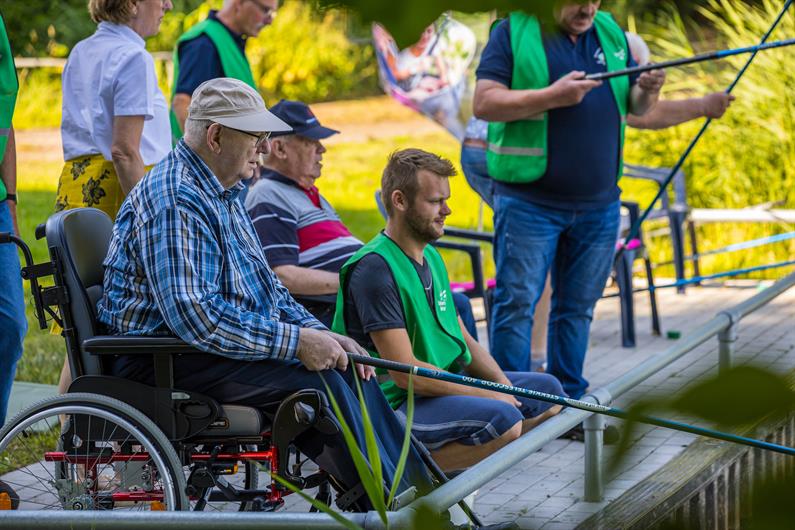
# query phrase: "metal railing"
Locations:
[[724, 326]]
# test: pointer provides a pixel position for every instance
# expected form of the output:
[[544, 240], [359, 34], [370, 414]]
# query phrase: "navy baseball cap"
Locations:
[[300, 117]]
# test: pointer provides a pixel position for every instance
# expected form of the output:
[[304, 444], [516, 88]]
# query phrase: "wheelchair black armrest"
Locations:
[[162, 349], [135, 345], [463, 233]]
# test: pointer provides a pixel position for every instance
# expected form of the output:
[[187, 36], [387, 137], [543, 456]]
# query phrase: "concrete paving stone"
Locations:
[[557, 502], [586, 507], [553, 525], [497, 499], [571, 518], [533, 494], [549, 512], [531, 523]]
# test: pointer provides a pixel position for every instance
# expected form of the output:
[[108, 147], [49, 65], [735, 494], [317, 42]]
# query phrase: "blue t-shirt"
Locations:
[[199, 60], [583, 140]]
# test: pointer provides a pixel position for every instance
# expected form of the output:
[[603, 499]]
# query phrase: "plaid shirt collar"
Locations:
[[205, 178]]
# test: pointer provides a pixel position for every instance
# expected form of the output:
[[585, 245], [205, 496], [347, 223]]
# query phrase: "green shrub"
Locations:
[[746, 158]]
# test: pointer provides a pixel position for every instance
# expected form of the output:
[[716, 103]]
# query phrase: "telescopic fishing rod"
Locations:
[[709, 56], [566, 402], [634, 230], [699, 279]]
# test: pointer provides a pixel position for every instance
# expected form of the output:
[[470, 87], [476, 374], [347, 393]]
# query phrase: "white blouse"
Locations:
[[111, 74]]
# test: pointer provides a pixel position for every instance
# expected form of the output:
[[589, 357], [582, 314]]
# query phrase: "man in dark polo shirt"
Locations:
[[304, 240], [555, 145], [216, 47]]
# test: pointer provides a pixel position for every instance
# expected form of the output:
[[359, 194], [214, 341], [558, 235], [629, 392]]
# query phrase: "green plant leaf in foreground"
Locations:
[[741, 395], [322, 506], [362, 467], [404, 451], [627, 440], [426, 518], [373, 453], [407, 21]]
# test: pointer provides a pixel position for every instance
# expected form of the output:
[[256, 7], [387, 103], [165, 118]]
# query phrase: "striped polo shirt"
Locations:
[[297, 226]]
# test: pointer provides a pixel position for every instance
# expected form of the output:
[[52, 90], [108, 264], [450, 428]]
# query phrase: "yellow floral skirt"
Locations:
[[89, 181]]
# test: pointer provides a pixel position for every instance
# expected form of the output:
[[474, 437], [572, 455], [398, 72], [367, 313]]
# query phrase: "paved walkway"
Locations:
[[545, 490]]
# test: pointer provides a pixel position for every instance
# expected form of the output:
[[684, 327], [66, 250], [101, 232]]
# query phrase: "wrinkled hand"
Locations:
[[714, 105], [319, 350], [652, 81], [351, 346], [571, 89]]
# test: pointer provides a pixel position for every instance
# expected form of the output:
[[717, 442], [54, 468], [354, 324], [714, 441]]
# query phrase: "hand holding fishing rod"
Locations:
[[564, 401], [709, 56]]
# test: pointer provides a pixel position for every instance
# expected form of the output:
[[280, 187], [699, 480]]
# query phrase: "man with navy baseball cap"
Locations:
[[302, 236]]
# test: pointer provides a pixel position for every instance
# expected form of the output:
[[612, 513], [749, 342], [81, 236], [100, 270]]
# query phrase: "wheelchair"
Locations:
[[117, 444]]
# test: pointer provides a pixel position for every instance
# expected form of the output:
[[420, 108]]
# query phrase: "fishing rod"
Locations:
[[699, 279], [709, 56], [634, 230], [732, 248], [566, 402]]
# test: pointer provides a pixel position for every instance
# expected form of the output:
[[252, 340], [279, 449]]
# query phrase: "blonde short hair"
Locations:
[[116, 11]]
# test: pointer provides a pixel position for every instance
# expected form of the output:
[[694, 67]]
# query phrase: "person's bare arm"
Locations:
[[496, 102], [125, 150], [8, 173], [394, 345], [180, 105], [670, 113], [304, 281], [646, 92], [483, 365]]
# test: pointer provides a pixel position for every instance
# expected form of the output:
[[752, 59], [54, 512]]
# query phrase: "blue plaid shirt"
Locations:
[[184, 260]]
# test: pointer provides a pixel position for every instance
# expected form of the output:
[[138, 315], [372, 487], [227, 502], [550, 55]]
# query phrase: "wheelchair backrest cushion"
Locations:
[[79, 238]]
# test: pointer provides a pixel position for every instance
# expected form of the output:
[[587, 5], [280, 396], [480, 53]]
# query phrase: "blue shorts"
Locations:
[[473, 420]]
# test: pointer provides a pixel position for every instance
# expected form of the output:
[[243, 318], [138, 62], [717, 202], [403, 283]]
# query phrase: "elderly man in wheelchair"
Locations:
[[197, 369]]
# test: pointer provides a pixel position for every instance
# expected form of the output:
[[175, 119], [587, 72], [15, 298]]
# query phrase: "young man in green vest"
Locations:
[[554, 150], [13, 323], [396, 302], [216, 47]]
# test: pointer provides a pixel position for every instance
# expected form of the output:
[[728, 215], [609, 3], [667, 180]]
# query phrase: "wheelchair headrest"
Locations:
[[82, 237]]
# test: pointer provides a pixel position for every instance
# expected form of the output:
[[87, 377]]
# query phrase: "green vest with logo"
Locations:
[[8, 94], [434, 333], [518, 150], [233, 62]]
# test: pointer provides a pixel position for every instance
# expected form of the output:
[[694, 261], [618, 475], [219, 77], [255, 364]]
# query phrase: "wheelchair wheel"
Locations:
[[89, 452]]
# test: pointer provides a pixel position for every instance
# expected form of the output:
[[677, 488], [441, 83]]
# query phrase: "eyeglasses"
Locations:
[[265, 10], [261, 138]]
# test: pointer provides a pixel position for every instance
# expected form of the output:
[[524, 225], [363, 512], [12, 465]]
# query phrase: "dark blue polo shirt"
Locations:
[[583, 140], [199, 60]]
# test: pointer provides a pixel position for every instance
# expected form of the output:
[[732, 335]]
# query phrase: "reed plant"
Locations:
[[746, 158]]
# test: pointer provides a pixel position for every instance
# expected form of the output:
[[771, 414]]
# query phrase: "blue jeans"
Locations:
[[473, 163], [529, 239], [464, 309], [13, 324]]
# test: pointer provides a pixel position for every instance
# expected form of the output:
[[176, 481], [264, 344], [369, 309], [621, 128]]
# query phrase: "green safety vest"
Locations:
[[435, 334], [9, 85], [233, 62], [518, 150]]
